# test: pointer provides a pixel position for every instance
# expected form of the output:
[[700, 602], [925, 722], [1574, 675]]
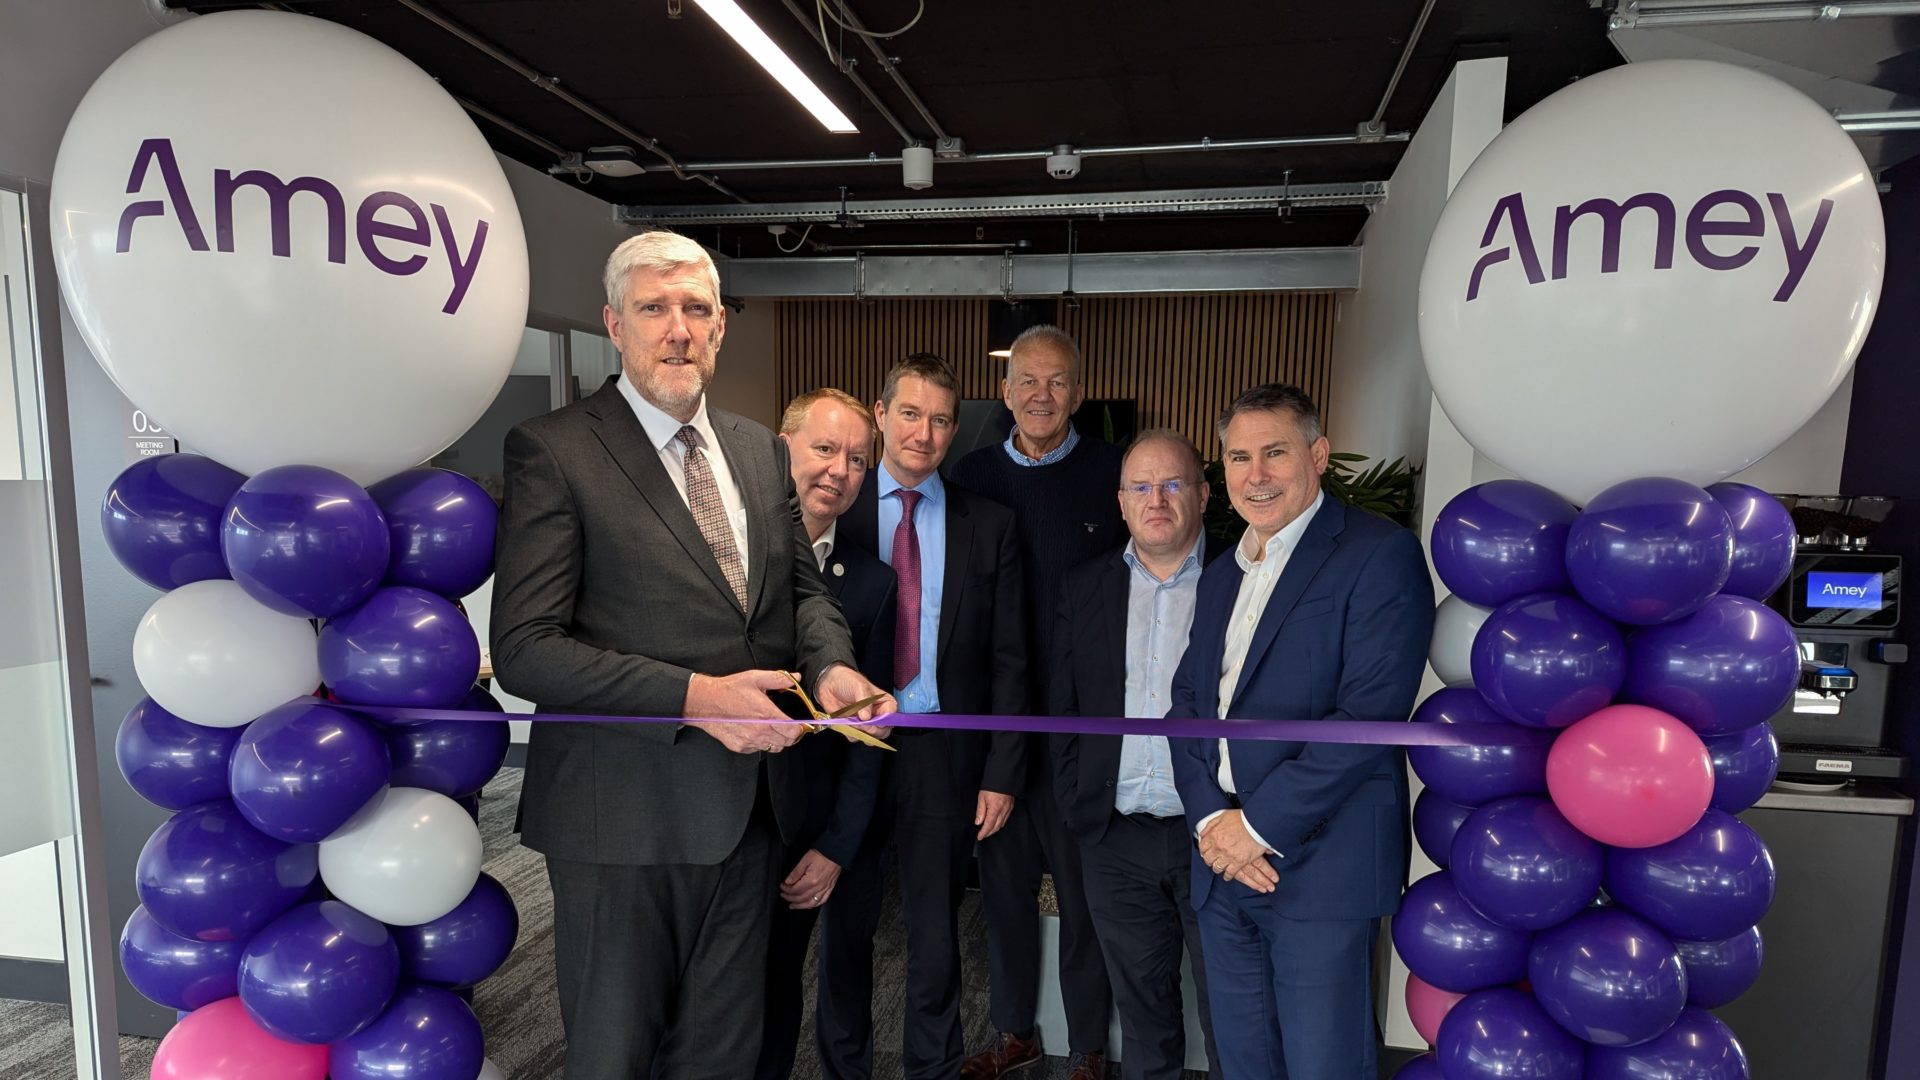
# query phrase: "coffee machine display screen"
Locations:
[[1860, 592], [1842, 590]]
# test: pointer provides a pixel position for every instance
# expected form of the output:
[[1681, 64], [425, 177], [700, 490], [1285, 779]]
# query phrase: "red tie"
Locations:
[[906, 566]]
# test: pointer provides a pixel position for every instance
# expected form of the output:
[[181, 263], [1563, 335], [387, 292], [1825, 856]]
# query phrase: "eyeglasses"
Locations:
[[1173, 488]]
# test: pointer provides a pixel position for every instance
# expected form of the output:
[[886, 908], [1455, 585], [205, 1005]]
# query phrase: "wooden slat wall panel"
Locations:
[[1181, 358]]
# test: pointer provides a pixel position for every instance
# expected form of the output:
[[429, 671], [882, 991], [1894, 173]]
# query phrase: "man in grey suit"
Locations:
[[652, 562]]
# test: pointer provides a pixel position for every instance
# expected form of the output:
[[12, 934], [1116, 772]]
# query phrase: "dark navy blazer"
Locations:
[[1343, 637], [842, 779]]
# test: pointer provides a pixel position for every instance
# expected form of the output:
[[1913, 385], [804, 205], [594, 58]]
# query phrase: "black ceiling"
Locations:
[[1001, 76]]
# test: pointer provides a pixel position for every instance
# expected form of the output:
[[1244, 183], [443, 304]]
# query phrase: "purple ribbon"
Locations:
[[1350, 732]]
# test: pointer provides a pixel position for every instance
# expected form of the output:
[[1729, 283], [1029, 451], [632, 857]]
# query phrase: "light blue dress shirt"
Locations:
[[1159, 614], [1048, 458], [922, 695]]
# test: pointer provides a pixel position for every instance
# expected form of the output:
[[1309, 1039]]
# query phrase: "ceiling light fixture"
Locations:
[[748, 35]]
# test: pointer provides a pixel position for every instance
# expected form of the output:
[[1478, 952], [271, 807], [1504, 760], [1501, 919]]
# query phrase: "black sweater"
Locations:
[[1064, 514]]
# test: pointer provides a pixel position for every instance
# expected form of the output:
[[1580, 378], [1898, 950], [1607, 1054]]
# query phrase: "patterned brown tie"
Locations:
[[703, 498]]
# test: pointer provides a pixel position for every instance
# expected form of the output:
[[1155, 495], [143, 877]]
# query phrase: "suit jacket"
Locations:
[[608, 600], [842, 778], [1343, 637], [981, 657], [1089, 667]]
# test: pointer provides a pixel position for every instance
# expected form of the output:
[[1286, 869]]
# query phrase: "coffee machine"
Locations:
[[1843, 600]]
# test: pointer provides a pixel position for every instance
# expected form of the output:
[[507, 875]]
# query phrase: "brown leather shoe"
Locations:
[[1009, 1054], [1087, 1066]]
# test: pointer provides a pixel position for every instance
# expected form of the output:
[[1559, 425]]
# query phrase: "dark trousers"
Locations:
[[788, 934], [1292, 999], [1137, 879], [1035, 841], [660, 968], [929, 823]]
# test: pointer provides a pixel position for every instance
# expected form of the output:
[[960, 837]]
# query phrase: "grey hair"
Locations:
[[1047, 334], [1273, 397], [660, 250], [1190, 453]]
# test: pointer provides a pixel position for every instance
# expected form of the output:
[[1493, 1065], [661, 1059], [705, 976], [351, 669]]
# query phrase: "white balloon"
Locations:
[[490, 1071], [288, 245], [1663, 269], [407, 857], [212, 655], [1455, 624]]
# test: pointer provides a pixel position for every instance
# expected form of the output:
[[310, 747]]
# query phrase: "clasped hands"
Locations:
[[746, 695], [1231, 851]]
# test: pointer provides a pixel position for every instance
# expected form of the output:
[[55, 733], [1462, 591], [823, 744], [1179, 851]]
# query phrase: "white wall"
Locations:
[[1380, 403], [1377, 403]]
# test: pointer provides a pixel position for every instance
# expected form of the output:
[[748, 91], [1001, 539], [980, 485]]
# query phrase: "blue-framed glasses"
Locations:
[[1173, 488]]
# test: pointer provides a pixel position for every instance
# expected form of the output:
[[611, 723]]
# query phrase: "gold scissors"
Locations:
[[852, 732]]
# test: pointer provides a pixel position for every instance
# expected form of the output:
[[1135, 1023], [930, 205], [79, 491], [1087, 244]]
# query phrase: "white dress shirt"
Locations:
[[1260, 569], [663, 432], [823, 547]]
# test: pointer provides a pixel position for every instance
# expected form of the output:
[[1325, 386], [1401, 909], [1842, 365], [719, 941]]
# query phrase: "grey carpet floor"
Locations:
[[517, 1006]]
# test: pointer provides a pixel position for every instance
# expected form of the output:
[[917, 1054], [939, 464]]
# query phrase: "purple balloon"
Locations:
[[1502, 539], [1650, 550], [1523, 865], [1450, 945], [207, 874], [162, 516], [1763, 540], [1745, 764], [1697, 1047], [174, 971], [441, 525], [1504, 1034], [1720, 971], [426, 1034], [1424, 1067], [452, 757], [304, 768], [1609, 977], [1548, 660], [465, 945], [1714, 881], [404, 647], [1472, 775], [304, 540], [1724, 668], [319, 973], [169, 762], [1435, 821]]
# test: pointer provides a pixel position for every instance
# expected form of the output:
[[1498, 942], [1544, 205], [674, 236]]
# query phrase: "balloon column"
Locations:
[[1585, 326], [317, 898], [315, 904], [1599, 894]]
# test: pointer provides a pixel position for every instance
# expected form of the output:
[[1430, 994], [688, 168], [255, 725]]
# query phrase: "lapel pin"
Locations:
[[839, 570]]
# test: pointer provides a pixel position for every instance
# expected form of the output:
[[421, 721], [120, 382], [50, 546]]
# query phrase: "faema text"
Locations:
[[368, 230], [1717, 244]]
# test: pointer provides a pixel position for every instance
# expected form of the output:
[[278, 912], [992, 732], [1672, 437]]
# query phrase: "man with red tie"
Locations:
[[959, 647]]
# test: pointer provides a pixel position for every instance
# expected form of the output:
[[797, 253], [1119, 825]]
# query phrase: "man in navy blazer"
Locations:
[[829, 438], [960, 647], [1321, 613]]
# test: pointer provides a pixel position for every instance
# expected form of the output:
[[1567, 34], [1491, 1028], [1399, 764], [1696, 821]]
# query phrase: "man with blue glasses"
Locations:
[[1119, 632]]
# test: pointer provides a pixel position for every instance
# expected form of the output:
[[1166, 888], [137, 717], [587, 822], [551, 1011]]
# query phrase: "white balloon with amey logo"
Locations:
[[1664, 269], [288, 245]]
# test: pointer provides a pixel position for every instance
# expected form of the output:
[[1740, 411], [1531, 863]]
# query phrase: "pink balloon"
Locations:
[[221, 1042], [1630, 776], [1428, 1005]]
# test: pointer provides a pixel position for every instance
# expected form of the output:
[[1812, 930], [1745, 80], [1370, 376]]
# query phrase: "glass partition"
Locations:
[[52, 890]]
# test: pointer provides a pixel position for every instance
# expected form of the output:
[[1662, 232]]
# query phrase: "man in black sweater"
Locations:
[[1060, 488]]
